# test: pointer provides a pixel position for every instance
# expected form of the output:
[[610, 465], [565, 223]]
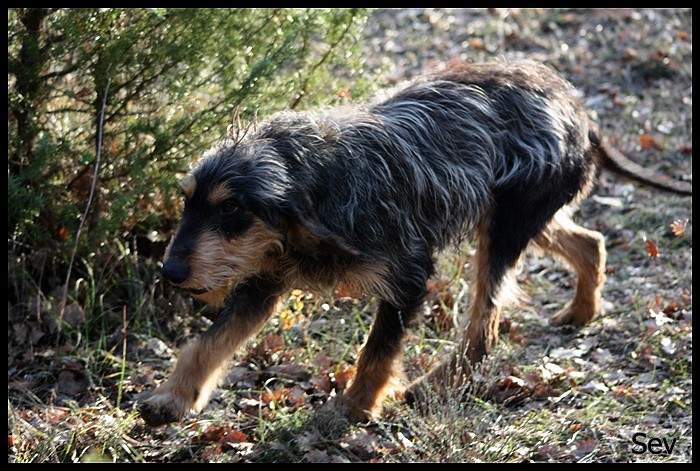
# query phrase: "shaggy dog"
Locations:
[[366, 195]]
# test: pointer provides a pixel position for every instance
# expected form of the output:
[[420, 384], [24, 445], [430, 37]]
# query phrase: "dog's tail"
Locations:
[[612, 159]]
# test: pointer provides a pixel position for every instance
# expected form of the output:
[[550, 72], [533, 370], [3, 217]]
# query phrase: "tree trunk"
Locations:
[[30, 87]]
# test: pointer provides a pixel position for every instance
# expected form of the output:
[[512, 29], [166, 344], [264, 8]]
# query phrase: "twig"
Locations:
[[304, 86], [93, 184], [123, 370], [237, 130]]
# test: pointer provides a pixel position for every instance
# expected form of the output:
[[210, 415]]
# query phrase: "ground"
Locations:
[[545, 394]]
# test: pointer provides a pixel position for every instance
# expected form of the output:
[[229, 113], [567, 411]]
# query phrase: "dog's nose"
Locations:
[[175, 270]]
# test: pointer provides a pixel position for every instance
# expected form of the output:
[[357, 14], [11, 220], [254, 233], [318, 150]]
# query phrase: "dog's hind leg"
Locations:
[[502, 239], [200, 364], [584, 251], [498, 252], [494, 260]]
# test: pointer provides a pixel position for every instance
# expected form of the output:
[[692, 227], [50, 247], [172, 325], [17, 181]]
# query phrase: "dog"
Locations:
[[367, 194]]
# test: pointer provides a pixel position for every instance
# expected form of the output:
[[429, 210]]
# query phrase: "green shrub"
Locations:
[[173, 78]]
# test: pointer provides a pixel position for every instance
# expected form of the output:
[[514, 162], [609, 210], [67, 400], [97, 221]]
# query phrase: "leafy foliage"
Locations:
[[175, 76]]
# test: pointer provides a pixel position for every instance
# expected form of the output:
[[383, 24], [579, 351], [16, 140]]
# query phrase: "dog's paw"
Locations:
[[579, 314], [163, 407], [356, 414]]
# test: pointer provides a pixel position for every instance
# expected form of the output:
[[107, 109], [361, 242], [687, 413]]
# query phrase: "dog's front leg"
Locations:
[[200, 364]]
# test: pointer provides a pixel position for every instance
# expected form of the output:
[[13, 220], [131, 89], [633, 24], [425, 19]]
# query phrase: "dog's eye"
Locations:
[[229, 206]]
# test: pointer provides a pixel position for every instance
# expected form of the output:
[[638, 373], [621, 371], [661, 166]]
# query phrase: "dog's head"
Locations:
[[243, 214]]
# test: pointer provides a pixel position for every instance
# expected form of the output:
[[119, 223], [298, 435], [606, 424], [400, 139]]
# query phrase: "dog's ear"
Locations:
[[307, 235]]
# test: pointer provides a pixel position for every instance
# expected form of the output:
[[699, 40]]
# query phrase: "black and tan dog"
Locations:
[[367, 194]]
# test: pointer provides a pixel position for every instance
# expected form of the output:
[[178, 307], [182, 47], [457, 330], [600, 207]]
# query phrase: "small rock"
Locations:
[[158, 347]]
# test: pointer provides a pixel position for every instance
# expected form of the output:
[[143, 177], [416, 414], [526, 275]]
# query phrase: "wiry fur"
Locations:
[[366, 194]]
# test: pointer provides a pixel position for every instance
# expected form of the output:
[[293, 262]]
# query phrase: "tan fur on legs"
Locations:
[[584, 251], [482, 332], [374, 381], [379, 364], [199, 367]]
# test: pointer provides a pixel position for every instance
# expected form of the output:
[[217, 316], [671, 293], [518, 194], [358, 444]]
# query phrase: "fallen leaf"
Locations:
[[652, 249], [80, 187], [545, 391], [585, 447], [685, 148], [322, 383], [295, 396], [362, 444], [236, 436], [63, 234], [678, 226], [72, 381], [454, 62], [671, 308], [568, 18], [540, 389], [511, 389], [276, 396], [159, 347], [250, 406], [682, 35], [648, 142], [211, 433], [477, 43], [317, 456], [271, 343], [242, 377], [659, 318], [35, 335], [567, 353], [405, 442], [288, 319], [291, 371], [342, 375], [594, 386], [549, 452], [221, 433], [55, 414], [554, 369], [210, 453], [74, 315], [623, 391]]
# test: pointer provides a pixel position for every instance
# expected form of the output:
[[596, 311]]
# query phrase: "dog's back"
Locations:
[[432, 160]]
